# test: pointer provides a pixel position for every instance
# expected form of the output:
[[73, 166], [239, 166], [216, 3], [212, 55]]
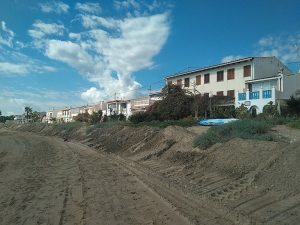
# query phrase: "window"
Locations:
[[186, 82], [198, 80], [220, 93], [206, 78], [179, 82], [230, 93], [247, 71], [169, 82], [220, 75], [230, 74]]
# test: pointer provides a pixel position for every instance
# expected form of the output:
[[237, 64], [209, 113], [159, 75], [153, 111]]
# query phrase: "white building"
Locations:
[[252, 81], [117, 107]]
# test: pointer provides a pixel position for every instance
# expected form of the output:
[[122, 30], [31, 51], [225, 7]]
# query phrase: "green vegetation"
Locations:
[[245, 129], [186, 122], [294, 124], [68, 127], [242, 112]]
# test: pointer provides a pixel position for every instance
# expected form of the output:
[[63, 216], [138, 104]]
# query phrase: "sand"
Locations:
[[126, 175]]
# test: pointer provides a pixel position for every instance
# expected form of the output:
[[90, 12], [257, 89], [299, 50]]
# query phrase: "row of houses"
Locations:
[[125, 107], [251, 81]]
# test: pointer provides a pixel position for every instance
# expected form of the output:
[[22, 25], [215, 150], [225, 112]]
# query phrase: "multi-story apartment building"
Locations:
[[252, 81]]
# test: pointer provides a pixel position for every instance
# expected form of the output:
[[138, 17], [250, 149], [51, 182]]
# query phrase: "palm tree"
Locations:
[[28, 112]]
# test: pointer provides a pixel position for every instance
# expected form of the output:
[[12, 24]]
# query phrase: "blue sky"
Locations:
[[69, 53]]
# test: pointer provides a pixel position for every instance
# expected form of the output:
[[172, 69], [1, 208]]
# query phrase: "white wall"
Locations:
[[238, 83]]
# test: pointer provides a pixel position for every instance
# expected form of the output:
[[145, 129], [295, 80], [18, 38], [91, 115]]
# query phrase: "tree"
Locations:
[[35, 116], [28, 112], [175, 104], [82, 117], [201, 105], [293, 106]]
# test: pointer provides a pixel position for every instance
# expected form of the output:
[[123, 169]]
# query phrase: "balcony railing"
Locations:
[[254, 95], [265, 94], [242, 96]]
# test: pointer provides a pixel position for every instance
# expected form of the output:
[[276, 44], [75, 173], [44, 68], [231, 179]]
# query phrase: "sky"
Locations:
[[71, 53]]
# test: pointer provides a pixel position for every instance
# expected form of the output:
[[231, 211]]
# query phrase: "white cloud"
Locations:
[[6, 35], [111, 50], [89, 7], [41, 29], [71, 53], [10, 68], [13, 62], [54, 7], [126, 4], [283, 47], [92, 95], [91, 21], [231, 58]]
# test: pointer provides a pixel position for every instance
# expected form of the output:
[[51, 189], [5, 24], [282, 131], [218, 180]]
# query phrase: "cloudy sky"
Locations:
[[69, 53]]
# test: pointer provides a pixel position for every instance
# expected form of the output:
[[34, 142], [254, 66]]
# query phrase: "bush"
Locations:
[[225, 112], [68, 127], [270, 110], [141, 117], [187, 122], [122, 117], [82, 117], [242, 112], [246, 129], [95, 117]]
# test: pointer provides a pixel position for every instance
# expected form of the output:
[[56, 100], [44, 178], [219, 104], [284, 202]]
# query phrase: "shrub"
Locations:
[[294, 124], [246, 129], [105, 118], [82, 117], [225, 112], [270, 110], [242, 112], [141, 117], [95, 117], [162, 124], [121, 117]]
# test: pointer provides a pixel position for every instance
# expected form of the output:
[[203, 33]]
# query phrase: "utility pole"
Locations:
[[298, 52], [149, 90], [195, 100]]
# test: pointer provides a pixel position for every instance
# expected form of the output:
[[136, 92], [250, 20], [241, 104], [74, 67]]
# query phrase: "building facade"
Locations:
[[252, 81]]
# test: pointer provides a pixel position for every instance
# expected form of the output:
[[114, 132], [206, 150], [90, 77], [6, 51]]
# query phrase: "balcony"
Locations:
[[267, 94], [258, 98], [242, 96], [254, 95]]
